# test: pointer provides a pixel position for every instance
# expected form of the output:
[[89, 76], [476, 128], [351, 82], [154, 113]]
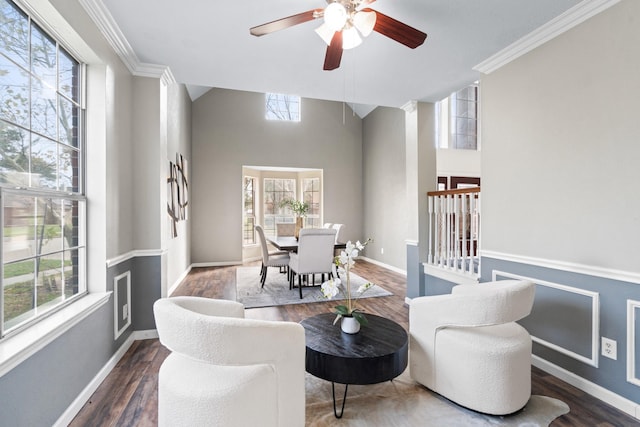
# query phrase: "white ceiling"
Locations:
[[206, 43]]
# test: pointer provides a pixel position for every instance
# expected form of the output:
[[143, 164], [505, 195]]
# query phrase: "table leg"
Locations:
[[344, 399]]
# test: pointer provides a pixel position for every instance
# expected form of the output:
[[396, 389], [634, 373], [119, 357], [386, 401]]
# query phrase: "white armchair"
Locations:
[[225, 370], [467, 347]]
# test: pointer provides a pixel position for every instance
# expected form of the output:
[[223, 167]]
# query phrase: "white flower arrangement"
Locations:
[[332, 287]]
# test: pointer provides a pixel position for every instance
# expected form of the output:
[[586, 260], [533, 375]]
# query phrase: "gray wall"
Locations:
[[229, 130], [384, 182], [559, 184], [41, 388]]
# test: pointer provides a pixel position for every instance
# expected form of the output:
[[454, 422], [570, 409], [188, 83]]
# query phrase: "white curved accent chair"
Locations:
[[278, 259], [314, 256], [225, 370], [467, 347]]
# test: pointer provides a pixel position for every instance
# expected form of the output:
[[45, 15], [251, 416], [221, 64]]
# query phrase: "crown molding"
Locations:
[[571, 18], [103, 19], [410, 106]]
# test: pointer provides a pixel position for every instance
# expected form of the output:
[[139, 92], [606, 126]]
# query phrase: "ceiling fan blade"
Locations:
[[289, 21], [334, 52], [396, 30]]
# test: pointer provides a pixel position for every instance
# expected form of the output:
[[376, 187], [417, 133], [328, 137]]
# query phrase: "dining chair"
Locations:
[[339, 233], [285, 229], [278, 259], [314, 256]]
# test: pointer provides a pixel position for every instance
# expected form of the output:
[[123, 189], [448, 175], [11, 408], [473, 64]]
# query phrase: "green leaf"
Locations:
[[343, 310], [360, 317]]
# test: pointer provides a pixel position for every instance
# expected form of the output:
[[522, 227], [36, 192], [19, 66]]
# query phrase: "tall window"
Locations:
[[275, 191], [249, 211], [282, 107], [311, 195], [41, 171], [458, 119]]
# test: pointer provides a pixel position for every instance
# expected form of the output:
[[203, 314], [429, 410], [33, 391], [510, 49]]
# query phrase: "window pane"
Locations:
[[68, 169], [68, 122], [49, 280], [14, 155], [43, 109], [18, 243], [48, 220], [72, 262], [72, 216], [44, 162], [19, 292], [14, 33], [282, 107], [14, 93], [68, 75], [43, 56]]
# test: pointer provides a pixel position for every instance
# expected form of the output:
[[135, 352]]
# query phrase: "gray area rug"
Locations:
[[276, 289], [404, 403]]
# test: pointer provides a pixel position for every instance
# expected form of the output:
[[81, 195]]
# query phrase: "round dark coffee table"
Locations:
[[379, 352]]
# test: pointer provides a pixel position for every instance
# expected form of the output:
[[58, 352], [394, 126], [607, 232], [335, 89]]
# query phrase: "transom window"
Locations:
[[41, 171], [458, 119], [282, 107]]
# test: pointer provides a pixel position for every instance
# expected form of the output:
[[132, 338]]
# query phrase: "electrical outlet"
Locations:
[[125, 311], [609, 348], [381, 251]]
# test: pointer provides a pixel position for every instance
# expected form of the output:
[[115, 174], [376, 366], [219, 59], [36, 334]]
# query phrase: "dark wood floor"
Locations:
[[128, 396]]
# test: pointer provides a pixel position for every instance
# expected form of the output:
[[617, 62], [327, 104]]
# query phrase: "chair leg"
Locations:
[[300, 284], [263, 278]]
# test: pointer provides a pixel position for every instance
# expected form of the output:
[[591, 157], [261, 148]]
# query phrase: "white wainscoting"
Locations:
[[595, 317]]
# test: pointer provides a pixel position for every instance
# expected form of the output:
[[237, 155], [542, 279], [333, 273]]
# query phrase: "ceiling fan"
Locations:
[[344, 23]]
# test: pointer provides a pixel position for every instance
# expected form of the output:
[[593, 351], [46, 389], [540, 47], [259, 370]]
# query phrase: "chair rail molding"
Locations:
[[133, 254], [607, 273]]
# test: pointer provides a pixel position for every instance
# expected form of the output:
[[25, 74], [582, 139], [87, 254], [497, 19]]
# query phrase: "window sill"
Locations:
[[16, 349]]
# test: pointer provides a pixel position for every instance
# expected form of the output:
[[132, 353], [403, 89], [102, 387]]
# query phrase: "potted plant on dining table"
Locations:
[[300, 209]]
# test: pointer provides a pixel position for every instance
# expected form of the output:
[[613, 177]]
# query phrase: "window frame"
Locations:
[[77, 144], [245, 216]]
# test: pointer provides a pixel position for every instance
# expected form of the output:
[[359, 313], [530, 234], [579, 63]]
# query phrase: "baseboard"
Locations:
[[383, 265], [177, 282], [607, 396], [215, 264]]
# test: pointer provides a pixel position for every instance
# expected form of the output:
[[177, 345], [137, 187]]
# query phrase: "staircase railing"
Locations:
[[454, 230]]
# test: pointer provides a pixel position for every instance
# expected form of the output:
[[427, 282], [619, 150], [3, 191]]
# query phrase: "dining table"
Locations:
[[290, 243]]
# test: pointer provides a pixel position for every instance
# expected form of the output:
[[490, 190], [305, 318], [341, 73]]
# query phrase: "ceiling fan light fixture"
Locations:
[[350, 38], [364, 22], [325, 33], [335, 16]]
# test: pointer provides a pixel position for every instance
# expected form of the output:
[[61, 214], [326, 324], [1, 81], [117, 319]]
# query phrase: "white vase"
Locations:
[[350, 325]]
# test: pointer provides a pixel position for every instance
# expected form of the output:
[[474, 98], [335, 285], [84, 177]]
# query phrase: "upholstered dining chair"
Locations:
[[339, 233], [314, 256], [278, 259], [285, 229], [225, 370], [468, 347]]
